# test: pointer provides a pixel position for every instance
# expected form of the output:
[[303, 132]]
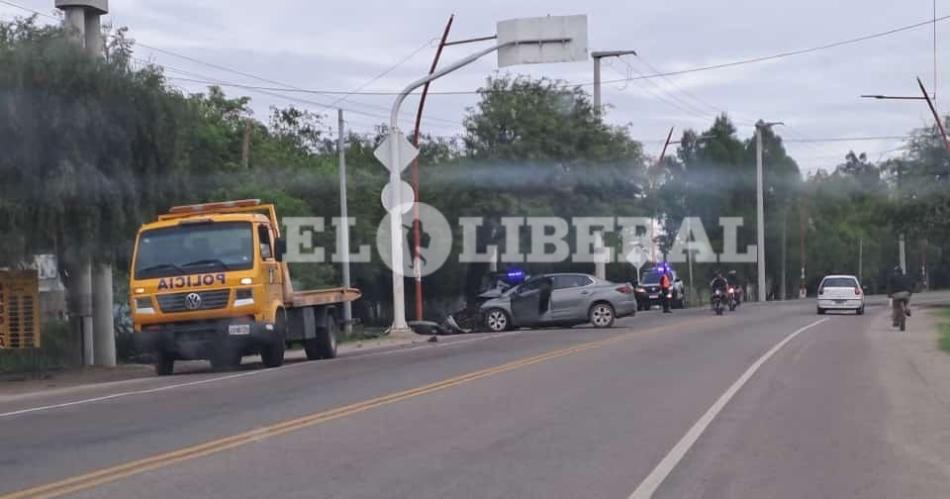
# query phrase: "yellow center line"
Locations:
[[113, 473]]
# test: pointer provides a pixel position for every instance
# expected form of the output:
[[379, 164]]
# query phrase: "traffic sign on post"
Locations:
[[407, 151], [407, 197], [637, 256]]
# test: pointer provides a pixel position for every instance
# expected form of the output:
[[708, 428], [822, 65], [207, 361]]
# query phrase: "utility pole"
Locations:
[[597, 56], [344, 227], [861, 259], [802, 291], [246, 146], [784, 250], [760, 206], [92, 284], [901, 250]]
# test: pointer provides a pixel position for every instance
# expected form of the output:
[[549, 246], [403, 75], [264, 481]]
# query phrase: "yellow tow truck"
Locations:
[[208, 281]]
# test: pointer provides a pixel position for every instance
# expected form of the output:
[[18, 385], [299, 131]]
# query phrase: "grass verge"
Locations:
[[943, 329]]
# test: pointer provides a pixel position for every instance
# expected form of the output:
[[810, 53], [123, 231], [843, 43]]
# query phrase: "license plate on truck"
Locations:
[[239, 329]]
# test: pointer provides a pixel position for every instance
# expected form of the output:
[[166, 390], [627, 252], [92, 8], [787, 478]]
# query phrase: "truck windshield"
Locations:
[[191, 249]]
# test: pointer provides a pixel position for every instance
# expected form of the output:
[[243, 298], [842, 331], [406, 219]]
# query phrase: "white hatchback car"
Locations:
[[840, 292]]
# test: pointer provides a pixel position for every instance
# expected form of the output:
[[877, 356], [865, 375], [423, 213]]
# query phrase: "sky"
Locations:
[[377, 45]]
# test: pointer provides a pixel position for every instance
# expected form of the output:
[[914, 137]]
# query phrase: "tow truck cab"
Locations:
[[208, 282]]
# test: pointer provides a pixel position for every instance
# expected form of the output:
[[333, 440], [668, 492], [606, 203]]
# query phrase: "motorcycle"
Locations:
[[717, 299], [733, 296]]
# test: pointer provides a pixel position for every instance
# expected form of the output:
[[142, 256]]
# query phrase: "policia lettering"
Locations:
[[190, 281]]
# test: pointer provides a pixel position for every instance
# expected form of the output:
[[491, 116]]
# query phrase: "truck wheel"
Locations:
[[272, 355], [164, 363], [323, 346]]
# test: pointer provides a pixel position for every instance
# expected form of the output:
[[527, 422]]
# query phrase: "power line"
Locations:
[[284, 86], [272, 94], [753, 60], [385, 72], [659, 95], [847, 139], [28, 9], [714, 108], [782, 55]]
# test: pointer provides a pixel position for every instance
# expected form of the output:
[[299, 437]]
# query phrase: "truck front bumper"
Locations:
[[200, 339]]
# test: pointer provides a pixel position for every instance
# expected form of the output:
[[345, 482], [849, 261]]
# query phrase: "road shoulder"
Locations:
[[20, 386], [916, 378]]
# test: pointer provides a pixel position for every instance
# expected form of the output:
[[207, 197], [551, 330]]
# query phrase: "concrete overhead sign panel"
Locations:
[[529, 35]]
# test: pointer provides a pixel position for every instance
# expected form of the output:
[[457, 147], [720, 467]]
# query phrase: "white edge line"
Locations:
[[238, 375], [652, 482], [126, 394]]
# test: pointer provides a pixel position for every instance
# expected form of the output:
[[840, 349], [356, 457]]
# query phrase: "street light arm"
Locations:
[[394, 117], [612, 53]]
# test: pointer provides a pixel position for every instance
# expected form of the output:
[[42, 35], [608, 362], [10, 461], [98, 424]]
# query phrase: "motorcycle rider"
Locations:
[[733, 279], [899, 289], [719, 283]]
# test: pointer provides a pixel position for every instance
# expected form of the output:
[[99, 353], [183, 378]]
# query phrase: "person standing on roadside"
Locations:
[[666, 283], [899, 289]]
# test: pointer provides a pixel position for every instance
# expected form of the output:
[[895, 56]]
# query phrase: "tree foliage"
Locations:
[[92, 148]]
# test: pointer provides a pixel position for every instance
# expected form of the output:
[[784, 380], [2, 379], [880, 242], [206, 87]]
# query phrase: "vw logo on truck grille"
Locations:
[[193, 301]]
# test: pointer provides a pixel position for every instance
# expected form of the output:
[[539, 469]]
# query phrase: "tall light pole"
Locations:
[[344, 226], [549, 39], [597, 56], [760, 205]]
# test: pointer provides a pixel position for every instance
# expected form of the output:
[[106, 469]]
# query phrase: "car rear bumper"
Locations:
[[625, 308], [846, 304], [200, 339]]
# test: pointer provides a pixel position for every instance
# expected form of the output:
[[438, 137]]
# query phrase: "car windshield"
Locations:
[[839, 282], [190, 249], [651, 277]]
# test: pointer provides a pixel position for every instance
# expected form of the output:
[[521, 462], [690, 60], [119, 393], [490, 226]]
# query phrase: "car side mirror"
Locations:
[[281, 249]]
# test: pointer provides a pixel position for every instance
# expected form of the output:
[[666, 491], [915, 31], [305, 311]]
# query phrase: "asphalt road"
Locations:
[[770, 401]]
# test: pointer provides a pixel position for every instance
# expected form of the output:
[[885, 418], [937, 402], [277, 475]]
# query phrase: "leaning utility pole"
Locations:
[[416, 223]]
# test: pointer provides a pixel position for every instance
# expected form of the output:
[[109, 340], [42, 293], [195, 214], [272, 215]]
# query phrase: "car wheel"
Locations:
[[601, 315], [497, 320], [860, 311], [821, 311]]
